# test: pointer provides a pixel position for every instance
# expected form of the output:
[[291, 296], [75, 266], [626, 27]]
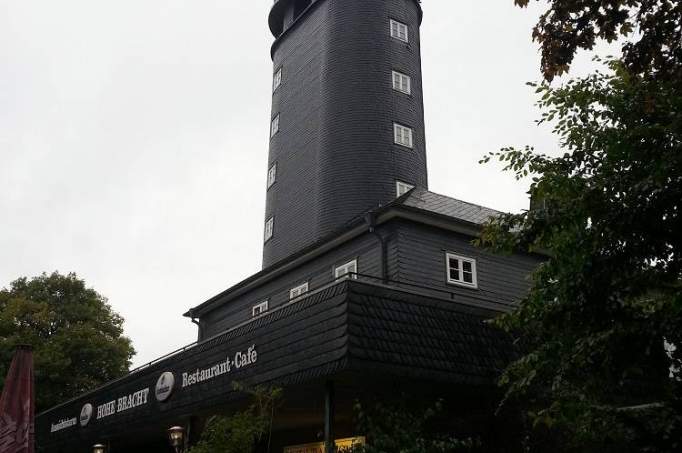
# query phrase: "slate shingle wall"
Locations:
[[420, 255], [335, 152]]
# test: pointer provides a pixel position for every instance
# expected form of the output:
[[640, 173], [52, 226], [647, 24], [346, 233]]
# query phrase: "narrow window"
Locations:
[[277, 80], [401, 188], [399, 31], [259, 309], [350, 268], [269, 227], [272, 175], [274, 126], [461, 270], [402, 82], [298, 291], [402, 135]]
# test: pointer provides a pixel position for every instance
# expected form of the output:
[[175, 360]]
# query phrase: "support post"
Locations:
[[329, 410]]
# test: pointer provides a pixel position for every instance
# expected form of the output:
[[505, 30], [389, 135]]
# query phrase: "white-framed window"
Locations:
[[259, 309], [274, 126], [277, 80], [399, 31], [402, 82], [269, 229], [402, 135], [350, 267], [272, 175], [401, 188], [461, 270], [298, 291]]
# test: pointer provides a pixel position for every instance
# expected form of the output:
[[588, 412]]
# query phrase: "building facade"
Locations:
[[370, 286]]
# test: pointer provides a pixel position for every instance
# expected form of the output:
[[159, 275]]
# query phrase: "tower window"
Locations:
[[277, 79], [272, 175], [298, 291], [402, 135], [259, 309], [269, 229], [350, 268], [399, 31], [274, 126], [461, 270], [401, 188], [402, 82]]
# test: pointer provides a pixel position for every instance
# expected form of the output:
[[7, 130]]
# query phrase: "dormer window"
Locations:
[[461, 270], [259, 309], [350, 268], [298, 291], [399, 31]]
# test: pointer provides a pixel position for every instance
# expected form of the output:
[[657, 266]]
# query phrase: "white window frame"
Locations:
[[269, 229], [345, 269], [401, 82], [274, 126], [461, 260], [298, 291], [277, 79], [400, 31], [259, 309], [401, 188], [272, 175], [402, 135]]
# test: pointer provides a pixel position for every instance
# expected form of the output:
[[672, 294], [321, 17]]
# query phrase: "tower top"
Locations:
[[276, 19]]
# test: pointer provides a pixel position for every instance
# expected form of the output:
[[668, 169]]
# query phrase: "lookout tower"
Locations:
[[347, 122]]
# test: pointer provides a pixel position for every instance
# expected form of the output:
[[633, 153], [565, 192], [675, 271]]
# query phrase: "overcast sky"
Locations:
[[134, 139]]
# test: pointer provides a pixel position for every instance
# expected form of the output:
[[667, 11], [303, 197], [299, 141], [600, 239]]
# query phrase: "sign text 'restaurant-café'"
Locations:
[[240, 360]]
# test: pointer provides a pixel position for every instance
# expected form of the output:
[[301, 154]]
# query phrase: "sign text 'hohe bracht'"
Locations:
[[123, 403]]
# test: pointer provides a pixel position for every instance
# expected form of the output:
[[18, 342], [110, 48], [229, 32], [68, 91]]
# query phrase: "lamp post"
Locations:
[[176, 436], [99, 448]]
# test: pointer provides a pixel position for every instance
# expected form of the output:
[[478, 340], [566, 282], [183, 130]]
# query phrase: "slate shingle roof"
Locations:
[[447, 206]]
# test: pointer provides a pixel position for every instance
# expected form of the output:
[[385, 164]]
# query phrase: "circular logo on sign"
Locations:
[[164, 386], [86, 414]]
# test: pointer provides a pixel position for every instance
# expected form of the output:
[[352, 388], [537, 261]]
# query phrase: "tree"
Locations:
[[399, 428], [599, 370], [241, 431], [570, 25], [77, 339]]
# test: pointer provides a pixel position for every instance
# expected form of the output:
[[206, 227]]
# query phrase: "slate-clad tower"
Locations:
[[347, 115]]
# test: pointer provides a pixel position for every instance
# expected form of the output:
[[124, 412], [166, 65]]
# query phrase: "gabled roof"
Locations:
[[448, 206]]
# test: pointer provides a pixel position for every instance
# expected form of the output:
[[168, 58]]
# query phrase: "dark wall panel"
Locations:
[[335, 152], [502, 279]]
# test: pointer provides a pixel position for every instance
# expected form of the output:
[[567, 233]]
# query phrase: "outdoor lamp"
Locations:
[[99, 448], [176, 435]]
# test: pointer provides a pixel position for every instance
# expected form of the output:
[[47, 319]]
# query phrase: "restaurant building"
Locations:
[[370, 283]]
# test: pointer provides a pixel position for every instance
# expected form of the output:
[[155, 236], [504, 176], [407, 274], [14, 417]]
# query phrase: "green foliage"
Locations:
[[596, 375], [241, 432], [77, 339], [397, 428], [570, 25]]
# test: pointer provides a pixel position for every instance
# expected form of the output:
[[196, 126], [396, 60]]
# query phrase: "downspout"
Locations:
[[371, 222], [198, 323]]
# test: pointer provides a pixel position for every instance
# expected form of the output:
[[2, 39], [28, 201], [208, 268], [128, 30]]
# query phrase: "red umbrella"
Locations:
[[17, 405]]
